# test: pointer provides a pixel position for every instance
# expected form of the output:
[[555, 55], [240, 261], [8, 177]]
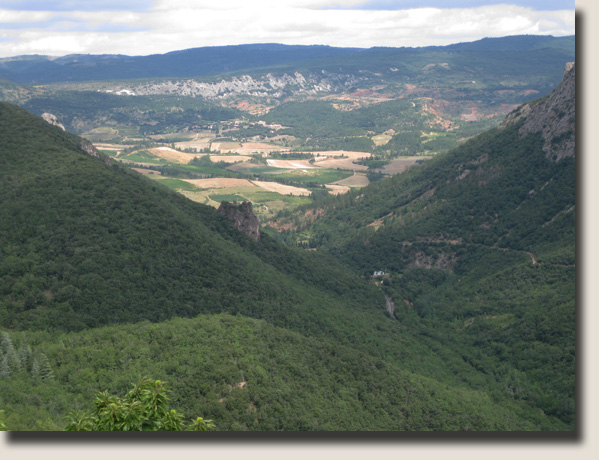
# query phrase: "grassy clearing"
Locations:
[[317, 176], [356, 180], [174, 137], [143, 156], [176, 184], [204, 169], [101, 134], [104, 133], [129, 131], [226, 197], [381, 139]]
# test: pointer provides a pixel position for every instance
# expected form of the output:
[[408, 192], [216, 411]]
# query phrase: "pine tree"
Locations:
[[46, 373], [24, 355], [35, 369], [13, 359], [6, 342], [5, 370]]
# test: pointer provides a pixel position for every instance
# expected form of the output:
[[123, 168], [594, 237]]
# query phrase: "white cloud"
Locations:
[[109, 17], [259, 5], [11, 16], [180, 24]]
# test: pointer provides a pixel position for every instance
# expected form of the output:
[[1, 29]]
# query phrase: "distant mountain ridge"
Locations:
[[191, 62], [36, 69]]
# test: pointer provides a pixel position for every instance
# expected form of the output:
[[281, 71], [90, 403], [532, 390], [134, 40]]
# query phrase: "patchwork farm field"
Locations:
[[268, 197], [400, 164], [172, 155], [314, 176], [356, 180], [209, 169]]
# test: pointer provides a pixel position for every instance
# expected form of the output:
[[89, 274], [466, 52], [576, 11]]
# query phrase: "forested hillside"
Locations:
[[107, 276], [479, 244], [88, 242]]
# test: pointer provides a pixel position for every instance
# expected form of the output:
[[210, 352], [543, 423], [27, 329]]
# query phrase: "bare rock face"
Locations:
[[89, 148], [553, 117], [50, 118], [269, 84], [242, 217]]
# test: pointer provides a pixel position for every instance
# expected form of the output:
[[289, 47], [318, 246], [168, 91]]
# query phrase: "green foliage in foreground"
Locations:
[[144, 408], [247, 374]]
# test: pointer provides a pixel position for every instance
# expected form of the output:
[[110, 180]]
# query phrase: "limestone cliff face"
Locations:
[[553, 117], [268, 85], [50, 118], [242, 217]]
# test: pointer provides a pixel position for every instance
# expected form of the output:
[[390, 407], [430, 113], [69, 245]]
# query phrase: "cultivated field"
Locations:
[[198, 143], [175, 156], [266, 202], [282, 189], [246, 148], [113, 147], [400, 164], [357, 180], [229, 158], [327, 168], [340, 154], [219, 182], [290, 164], [341, 163], [340, 159], [336, 189]]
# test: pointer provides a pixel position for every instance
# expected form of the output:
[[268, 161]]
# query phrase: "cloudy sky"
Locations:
[[140, 27]]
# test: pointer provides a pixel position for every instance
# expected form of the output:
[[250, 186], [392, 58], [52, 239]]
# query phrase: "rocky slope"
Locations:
[[267, 85], [553, 117], [242, 217]]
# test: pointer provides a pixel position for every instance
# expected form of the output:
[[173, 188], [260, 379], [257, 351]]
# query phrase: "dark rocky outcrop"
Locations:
[[89, 148], [242, 217], [554, 117]]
